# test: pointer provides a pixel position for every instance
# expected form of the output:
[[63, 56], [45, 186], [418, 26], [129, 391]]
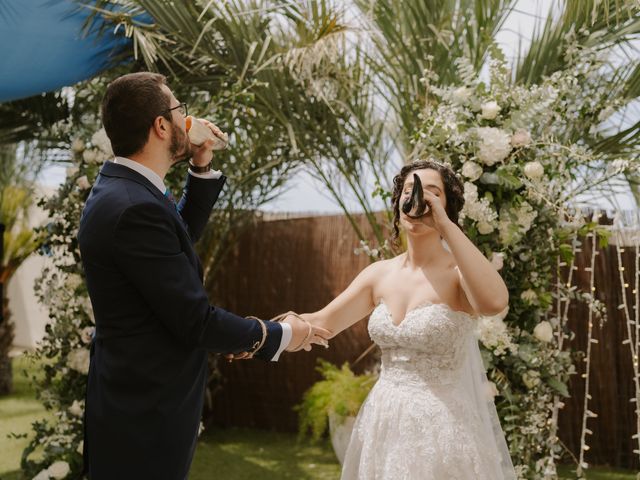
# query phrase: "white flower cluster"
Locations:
[[494, 145], [56, 470], [373, 253], [478, 209], [97, 152], [494, 335], [78, 360]]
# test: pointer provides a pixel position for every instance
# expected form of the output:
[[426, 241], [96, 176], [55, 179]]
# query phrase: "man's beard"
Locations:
[[180, 147]]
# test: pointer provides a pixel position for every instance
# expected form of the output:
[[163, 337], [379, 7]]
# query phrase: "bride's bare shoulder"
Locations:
[[382, 267]]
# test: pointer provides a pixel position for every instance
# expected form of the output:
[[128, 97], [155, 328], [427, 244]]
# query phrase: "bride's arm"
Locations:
[[482, 284], [352, 305]]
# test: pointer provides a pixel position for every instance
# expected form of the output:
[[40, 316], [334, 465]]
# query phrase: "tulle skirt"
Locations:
[[411, 430]]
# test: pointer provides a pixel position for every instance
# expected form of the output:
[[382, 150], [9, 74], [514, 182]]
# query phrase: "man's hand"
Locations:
[[303, 336], [201, 156]]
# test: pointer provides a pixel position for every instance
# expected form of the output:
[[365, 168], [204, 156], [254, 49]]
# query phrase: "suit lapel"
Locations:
[[115, 170]]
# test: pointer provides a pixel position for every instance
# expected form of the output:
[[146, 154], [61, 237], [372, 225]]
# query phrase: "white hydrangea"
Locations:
[[494, 145], [59, 469], [478, 209], [493, 333], [78, 360], [102, 142]]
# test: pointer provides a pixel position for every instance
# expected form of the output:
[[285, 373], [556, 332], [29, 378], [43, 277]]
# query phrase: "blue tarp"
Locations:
[[42, 47]]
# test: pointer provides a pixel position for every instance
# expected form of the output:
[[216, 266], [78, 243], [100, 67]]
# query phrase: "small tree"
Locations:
[[18, 169]]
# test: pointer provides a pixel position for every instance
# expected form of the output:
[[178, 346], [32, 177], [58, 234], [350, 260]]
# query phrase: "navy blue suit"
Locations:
[[154, 325]]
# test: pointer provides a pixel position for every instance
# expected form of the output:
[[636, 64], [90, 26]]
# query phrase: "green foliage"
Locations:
[[340, 393]]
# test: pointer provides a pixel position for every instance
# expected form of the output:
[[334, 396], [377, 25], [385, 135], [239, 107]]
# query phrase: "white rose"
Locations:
[[77, 145], [471, 170], [43, 475], [490, 110], [89, 156], [543, 332], [74, 281], [80, 448], [485, 228], [495, 145], [76, 409], [529, 296], [533, 170], [87, 334], [59, 469], [78, 360], [71, 171], [521, 138], [531, 378], [83, 183], [461, 94], [497, 260]]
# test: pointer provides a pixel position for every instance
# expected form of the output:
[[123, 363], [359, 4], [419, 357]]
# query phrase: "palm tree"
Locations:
[[18, 169]]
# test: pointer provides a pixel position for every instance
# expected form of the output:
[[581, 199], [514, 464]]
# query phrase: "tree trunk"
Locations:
[[6, 340]]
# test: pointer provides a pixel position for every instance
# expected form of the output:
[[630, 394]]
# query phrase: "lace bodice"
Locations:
[[424, 419], [428, 346]]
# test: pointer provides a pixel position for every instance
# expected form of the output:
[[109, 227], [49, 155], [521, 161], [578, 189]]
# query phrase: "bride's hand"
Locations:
[[304, 334], [437, 216]]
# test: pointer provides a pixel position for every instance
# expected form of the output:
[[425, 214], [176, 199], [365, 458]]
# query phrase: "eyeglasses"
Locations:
[[182, 108]]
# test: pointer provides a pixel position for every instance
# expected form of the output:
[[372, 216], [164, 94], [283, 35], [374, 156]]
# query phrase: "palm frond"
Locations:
[[591, 23]]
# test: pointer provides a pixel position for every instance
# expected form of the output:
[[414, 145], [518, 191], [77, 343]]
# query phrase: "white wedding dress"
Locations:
[[430, 415]]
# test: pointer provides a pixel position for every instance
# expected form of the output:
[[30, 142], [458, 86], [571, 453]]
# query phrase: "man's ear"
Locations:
[[161, 127]]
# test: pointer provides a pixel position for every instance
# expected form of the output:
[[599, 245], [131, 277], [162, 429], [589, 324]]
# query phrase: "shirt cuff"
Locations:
[[287, 333], [210, 175]]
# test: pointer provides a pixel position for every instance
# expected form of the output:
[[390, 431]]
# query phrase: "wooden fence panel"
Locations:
[[302, 264]]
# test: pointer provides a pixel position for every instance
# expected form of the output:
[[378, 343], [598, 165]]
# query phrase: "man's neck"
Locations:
[[152, 162]]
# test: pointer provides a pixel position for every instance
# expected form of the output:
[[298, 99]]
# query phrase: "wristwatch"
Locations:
[[197, 169]]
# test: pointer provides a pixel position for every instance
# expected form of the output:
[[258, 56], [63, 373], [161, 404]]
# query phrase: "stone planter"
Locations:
[[340, 430]]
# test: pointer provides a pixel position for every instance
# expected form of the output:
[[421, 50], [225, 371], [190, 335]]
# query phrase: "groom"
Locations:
[[154, 323]]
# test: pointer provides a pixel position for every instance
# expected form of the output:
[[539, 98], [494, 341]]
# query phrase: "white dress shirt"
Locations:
[[154, 178]]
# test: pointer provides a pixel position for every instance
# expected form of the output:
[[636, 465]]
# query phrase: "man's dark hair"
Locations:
[[130, 106]]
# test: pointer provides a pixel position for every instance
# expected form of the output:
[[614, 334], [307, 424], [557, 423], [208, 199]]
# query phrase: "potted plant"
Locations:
[[334, 402]]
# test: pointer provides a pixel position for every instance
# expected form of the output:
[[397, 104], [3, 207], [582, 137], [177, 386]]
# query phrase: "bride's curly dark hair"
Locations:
[[453, 190]]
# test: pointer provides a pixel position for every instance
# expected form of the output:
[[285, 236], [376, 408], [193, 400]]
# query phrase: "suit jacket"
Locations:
[[154, 325]]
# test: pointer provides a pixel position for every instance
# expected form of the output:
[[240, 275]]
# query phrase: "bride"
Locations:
[[430, 415]]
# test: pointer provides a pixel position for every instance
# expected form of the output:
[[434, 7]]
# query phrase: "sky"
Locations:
[[304, 194]]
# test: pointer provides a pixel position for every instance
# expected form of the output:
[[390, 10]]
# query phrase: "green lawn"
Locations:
[[17, 412], [232, 454]]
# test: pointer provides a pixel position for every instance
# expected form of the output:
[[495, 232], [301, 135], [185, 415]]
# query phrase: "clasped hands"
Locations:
[[303, 336]]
